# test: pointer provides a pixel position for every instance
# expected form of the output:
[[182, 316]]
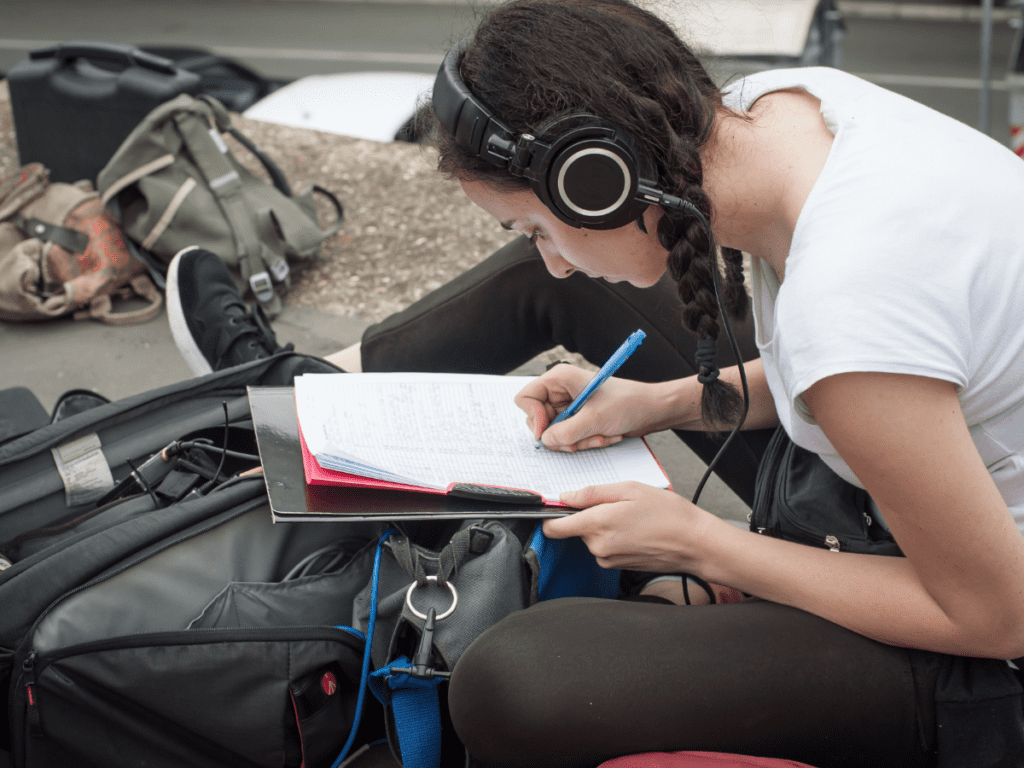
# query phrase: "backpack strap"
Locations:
[[276, 176], [101, 307], [259, 266], [416, 711], [69, 239]]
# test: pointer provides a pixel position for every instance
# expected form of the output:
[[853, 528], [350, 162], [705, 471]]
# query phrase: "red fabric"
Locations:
[[698, 760]]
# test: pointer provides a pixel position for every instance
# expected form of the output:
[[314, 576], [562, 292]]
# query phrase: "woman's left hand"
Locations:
[[634, 526]]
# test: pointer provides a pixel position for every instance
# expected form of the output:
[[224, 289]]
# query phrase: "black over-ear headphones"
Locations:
[[586, 171]]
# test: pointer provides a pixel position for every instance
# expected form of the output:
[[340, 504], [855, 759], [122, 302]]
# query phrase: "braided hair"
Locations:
[[534, 60]]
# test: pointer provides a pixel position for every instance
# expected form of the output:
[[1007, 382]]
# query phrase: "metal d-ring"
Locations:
[[438, 617]]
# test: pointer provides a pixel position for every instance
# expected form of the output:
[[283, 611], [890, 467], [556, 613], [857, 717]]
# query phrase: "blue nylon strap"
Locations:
[[417, 712]]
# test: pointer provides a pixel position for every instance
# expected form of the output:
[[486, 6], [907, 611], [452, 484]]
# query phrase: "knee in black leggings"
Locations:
[[575, 682], [505, 696]]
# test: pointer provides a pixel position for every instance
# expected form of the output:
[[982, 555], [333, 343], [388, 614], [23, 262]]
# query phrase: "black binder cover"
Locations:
[[293, 500]]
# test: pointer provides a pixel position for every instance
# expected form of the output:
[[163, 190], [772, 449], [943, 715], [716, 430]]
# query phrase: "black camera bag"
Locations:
[[98, 663]]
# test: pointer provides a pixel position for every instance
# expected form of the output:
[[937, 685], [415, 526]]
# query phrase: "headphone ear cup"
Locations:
[[592, 179], [590, 174]]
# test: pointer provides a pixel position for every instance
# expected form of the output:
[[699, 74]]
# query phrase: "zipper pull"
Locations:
[[832, 543], [28, 670]]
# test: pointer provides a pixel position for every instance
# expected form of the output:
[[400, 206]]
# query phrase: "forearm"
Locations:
[[879, 597], [679, 401]]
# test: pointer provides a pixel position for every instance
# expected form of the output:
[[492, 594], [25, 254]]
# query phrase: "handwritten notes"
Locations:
[[432, 430]]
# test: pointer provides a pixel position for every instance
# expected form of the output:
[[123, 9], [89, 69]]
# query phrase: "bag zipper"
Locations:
[[764, 489], [30, 635], [35, 663], [38, 662], [765, 498], [29, 676]]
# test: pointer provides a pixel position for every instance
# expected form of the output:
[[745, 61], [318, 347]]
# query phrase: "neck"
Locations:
[[759, 170]]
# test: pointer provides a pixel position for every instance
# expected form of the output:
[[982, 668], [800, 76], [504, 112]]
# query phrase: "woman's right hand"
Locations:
[[619, 408]]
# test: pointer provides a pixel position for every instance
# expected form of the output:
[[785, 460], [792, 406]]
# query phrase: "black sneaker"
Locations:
[[209, 321]]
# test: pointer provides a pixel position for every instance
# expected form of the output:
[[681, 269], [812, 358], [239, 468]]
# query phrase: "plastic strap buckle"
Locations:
[[279, 269], [262, 287]]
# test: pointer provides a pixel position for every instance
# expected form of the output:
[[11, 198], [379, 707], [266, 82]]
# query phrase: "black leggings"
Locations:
[[575, 682]]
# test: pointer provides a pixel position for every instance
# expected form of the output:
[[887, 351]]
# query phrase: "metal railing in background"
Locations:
[[1015, 87], [985, 118]]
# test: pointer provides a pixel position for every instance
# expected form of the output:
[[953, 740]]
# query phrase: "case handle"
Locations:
[[118, 53]]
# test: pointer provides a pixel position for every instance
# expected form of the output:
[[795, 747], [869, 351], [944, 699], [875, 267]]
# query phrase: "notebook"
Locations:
[[438, 433], [292, 499]]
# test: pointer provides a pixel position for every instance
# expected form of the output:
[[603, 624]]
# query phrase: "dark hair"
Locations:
[[534, 60]]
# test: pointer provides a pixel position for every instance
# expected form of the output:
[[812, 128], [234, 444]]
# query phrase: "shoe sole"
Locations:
[[191, 353]]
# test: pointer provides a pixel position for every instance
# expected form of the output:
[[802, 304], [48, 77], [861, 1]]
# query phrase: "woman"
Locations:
[[886, 264]]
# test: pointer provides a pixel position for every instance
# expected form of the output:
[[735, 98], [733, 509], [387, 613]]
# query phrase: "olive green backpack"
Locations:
[[173, 183]]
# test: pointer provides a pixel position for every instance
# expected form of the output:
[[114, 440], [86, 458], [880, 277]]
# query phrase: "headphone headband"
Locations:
[[472, 124], [586, 171]]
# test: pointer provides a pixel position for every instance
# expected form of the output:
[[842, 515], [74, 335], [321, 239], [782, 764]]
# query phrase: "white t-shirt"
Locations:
[[908, 257]]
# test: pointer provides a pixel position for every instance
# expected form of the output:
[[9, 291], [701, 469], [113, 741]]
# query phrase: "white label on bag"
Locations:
[[227, 178], [215, 134], [84, 469]]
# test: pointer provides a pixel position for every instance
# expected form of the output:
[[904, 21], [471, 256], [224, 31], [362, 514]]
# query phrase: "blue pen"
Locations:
[[608, 369]]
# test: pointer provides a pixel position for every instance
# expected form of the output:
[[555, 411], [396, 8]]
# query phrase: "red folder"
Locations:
[[317, 475]]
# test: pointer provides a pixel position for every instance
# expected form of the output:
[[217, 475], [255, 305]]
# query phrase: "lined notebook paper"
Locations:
[[430, 431]]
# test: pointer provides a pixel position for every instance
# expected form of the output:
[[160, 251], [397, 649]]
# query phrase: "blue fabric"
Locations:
[[567, 569], [415, 707]]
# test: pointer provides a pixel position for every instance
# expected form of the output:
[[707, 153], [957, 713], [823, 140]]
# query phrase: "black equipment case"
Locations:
[[231, 82], [75, 102], [124, 637]]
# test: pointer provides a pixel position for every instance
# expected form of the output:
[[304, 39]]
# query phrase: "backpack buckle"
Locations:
[[262, 287], [279, 269]]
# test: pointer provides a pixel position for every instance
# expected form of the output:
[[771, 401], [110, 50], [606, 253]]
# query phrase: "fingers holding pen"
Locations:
[[554, 438], [548, 395], [600, 426], [544, 398]]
